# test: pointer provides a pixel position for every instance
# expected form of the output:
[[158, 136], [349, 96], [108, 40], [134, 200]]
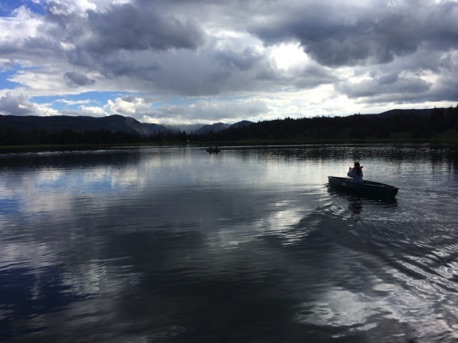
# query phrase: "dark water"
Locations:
[[250, 245]]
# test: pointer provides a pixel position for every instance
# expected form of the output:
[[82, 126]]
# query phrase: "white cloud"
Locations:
[[129, 105], [74, 102], [93, 111], [12, 103], [324, 57]]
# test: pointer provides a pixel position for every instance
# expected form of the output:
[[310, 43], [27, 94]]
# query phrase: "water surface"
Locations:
[[173, 244]]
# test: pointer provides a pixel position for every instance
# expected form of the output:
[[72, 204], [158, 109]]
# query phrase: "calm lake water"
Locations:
[[173, 244]]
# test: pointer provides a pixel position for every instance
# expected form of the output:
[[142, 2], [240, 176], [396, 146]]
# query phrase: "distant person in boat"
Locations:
[[356, 173]]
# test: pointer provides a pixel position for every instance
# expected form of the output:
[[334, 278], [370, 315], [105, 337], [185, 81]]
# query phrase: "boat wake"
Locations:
[[397, 266]]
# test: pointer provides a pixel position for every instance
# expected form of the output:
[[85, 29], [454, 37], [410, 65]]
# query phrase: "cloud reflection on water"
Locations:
[[182, 245]]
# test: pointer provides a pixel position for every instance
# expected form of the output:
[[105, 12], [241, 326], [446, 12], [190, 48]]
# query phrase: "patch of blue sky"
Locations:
[[7, 7], [74, 101], [5, 76], [51, 99], [96, 97]]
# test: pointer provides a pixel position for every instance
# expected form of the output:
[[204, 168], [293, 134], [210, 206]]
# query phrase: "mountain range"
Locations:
[[113, 123], [408, 125], [118, 123]]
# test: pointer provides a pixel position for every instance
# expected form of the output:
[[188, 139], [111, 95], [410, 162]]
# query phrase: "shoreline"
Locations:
[[254, 142]]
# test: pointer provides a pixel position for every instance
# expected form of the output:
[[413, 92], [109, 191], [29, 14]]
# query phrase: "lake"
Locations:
[[172, 244]]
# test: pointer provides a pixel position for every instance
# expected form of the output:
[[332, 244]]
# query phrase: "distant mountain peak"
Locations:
[[211, 128], [241, 124], [112, 123]]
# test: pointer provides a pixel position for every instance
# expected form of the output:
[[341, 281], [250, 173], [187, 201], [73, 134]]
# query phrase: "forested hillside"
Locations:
[[439, 124], [34, 130], [408, 125]]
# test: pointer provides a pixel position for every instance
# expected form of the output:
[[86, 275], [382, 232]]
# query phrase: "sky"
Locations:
[[205, 61]]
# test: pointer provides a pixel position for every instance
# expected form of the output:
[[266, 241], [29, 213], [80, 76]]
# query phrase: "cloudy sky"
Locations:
[[188, 61]]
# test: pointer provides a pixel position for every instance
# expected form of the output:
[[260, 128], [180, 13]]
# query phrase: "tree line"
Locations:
[[409, 124], [18, 136]]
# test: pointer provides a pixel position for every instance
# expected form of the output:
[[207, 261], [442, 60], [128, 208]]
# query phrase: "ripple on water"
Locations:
[[409, 254]]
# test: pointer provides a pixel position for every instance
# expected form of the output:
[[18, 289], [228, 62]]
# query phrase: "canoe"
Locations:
[[367, 188], [213, 150]]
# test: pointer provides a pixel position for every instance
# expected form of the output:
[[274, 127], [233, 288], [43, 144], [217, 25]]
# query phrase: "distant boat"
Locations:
[[213, 150], [367, 188]]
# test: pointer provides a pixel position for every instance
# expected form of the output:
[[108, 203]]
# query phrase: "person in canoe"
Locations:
[[356, 173]]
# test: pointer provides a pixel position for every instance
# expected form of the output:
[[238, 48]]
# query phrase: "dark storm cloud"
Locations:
[[94, 35], [215, 71], [122, 40], [130, 28], [314, 76], [380, 51], [75, 79], [128, 99], [337, 33], [440, 27], [376, 42], [127, 40], [389, 87]]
